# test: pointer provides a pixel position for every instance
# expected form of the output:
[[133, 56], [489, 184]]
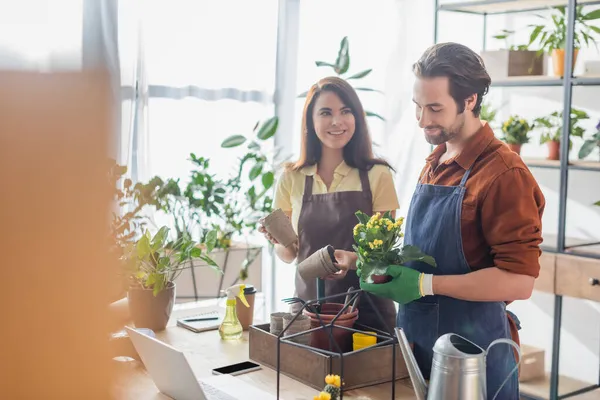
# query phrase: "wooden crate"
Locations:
[[361, 369], [532, 363], [505, 63]]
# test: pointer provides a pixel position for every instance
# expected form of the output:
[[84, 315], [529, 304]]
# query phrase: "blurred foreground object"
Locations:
[[54, 214]]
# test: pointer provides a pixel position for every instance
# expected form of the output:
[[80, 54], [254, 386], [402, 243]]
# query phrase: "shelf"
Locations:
[[540, 389], [505, 6], [544, 80], [555, 164], [576, 247]]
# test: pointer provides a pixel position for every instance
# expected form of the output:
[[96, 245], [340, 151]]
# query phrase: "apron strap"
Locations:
[[308, 186], [364, 182], [465, 177]]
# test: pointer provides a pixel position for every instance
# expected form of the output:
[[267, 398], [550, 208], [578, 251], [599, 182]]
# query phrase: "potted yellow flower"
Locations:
[[332, 389], [377, 244]]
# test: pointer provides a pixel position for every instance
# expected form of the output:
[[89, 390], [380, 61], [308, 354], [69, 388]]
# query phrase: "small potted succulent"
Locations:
[[153, 263], [552, 129], [377, 244], [590, 144], [516, 132]]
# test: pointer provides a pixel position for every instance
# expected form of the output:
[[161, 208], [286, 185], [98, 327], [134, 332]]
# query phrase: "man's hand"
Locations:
[[403, 288]]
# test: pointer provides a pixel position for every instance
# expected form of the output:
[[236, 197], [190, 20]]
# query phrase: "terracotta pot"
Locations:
[[343, 338], [381, 278], [515, 147], [558, 61], [553, 150], [149, 311]]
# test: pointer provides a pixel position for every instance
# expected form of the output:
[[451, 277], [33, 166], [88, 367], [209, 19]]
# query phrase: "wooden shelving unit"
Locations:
[[567, 263]]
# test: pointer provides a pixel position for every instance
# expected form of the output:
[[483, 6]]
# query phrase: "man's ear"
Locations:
[[470, 102]]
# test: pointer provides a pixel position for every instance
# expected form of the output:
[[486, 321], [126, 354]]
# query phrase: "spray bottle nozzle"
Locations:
[[237, 290]]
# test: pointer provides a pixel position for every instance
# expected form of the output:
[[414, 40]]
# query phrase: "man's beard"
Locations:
[[445, 134]]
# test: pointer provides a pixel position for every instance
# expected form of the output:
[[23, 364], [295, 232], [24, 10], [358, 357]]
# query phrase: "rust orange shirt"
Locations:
[[501, 221]]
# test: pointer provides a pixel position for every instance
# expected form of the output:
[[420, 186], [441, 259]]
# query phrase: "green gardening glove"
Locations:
[[403, 288]]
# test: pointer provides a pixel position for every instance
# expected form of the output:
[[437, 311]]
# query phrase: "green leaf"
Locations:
[[592, 15], [255, 171], [159, 239], [362, 217], [342, 62], [211, 263], [413, 253], [268, 179], [211, 240], [233, 141], [303, 94], [195, 252], [535, 33], [364, 89], [595, 29], [324, 64], [268, 129], [143, 247], [586, 149], [254, 146], [361, 74], [597, 203], [372, 114]]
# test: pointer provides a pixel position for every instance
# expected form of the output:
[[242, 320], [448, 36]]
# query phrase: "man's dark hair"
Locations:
[[463, 67]]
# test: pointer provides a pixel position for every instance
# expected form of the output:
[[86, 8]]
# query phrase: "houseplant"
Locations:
[[552, 129], [153, 264], [512, 60], [341, 67], [590, 144], [516, 132], [332, 389], [551, 35], [377, 244]]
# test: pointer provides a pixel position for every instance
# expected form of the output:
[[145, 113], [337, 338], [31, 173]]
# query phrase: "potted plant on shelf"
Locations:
[[516, 132], [552, 129], [551, 35], [590, 144], [153, 264], [512, 60]]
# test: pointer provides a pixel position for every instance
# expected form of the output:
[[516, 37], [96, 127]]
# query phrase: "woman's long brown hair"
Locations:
[[358, 152]]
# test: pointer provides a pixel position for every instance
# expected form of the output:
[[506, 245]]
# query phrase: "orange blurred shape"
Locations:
[[55, 130]]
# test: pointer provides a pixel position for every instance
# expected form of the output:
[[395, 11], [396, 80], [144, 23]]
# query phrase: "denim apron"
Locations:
[[329, 219], [434, 225]]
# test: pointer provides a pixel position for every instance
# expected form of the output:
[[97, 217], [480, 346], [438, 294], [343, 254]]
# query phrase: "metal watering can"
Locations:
[[458, 369]]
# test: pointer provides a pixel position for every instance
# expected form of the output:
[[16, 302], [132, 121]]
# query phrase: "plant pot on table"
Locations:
[[343, 337], [148, 310]]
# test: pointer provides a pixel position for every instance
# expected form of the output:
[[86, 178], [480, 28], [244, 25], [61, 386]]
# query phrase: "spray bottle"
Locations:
[[230, 327]]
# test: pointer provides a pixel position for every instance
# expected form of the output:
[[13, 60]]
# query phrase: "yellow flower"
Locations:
[[369, 225], [322, 396], [375, 217], [333, 380]]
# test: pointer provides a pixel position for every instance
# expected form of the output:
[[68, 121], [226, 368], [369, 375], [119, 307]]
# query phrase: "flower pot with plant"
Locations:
[[512, 60], [153, 263], [551, 126], [551, 35], [377, 244], [516, 132], [590, 144]]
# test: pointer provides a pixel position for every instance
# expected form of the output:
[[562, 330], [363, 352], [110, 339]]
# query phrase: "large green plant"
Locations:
[[552, 33], [341, 66], [591, 143], [552, 126], [154, 261], [505, 35]]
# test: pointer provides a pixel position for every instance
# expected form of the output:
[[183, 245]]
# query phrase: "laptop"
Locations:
[[173, 375]]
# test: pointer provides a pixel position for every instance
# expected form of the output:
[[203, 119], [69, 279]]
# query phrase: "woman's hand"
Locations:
[[267, 235], [346, 260]]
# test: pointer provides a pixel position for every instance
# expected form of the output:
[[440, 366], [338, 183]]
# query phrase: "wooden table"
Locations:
[[206, 351]]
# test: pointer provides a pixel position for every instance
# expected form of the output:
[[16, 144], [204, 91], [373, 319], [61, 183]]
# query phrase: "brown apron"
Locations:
[[329, 219]]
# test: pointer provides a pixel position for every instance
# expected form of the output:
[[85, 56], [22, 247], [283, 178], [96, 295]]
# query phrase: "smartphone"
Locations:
[[237, 369]]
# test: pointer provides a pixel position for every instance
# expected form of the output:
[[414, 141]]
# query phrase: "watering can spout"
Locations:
[[414, 372]]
